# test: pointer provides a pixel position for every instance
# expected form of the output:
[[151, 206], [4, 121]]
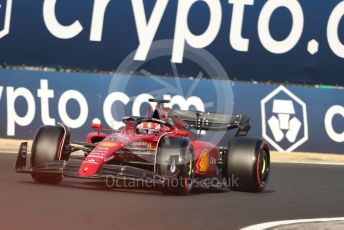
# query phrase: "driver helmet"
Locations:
[[148, 127]]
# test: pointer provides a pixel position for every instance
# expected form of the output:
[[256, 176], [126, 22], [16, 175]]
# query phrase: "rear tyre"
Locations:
[[50, 144], [175, 164], [248, 164]]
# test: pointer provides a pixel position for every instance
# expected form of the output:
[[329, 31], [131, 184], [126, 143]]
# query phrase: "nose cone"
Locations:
[[100, 154]]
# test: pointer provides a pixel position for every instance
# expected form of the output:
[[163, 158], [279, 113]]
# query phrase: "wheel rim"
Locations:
[[188, 180], [263, 167]]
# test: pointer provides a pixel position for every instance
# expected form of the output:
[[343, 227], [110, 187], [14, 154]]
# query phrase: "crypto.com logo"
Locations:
[[5, 17], [284, 120]]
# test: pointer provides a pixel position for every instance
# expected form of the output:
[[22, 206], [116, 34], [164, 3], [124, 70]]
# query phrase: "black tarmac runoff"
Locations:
[[295, 191]]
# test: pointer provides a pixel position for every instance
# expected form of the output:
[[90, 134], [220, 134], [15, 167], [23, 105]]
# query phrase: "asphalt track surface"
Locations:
[[295, 191]]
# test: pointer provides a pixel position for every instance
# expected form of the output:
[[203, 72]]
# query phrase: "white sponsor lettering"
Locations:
[[81, 100], [139, 101], [332, 30], [270, 44], [237, 41], [45, 94], [183, 34], [74, 29], [185, 104], [98, 15], [107, 111], [1, 89], [146, 29], [12, 116], [330, 114], [53, 25], [147, 25]]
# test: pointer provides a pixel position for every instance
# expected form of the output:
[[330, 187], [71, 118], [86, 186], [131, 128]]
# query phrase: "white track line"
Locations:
[[289, 222], [8, 152], [308, 162]]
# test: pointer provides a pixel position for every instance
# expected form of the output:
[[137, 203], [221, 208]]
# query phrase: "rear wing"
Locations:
[[215, 122]]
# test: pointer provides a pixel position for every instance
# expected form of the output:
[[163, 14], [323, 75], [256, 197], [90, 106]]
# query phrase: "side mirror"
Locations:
[[96, 124]]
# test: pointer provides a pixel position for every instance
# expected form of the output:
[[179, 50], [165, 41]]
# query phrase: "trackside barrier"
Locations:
[[288, 117]]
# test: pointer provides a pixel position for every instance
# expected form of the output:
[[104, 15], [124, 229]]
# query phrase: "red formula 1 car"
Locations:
[[160, 148]]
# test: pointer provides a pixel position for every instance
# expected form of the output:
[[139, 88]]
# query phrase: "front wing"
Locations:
[[71, 169]]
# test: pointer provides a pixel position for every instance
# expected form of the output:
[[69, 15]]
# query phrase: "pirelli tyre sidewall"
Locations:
[[175, 165], [247, 165], [48, 145]]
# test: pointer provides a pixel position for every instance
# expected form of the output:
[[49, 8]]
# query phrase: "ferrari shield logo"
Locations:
[[5, 17], [203, 162]]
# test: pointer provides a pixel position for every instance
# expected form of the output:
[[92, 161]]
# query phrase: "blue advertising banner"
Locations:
[[280, 41], [289, 118]]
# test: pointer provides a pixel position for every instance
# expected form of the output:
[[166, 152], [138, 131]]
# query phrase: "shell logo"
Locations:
[[203, 162], [108, 144]]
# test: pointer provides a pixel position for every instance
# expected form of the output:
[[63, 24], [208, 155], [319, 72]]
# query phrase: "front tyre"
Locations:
[[49, 145], [175, 165], [247, 164]]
